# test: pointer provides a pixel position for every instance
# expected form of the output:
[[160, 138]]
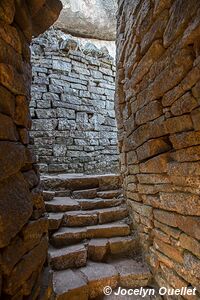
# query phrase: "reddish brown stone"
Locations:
[[156, 164], [185, 139], [22, 115], [7, 128], [150, 112], [195, 118], [10, 35], [186, 84], [184, 104], [168, 250], [190, 244], [151, 148], [7, 11], [7, 102], [187, 154], [181, 14], [12, 80], [10, 165], [31, 262], [178, 124], [155, 32], [14, 214]]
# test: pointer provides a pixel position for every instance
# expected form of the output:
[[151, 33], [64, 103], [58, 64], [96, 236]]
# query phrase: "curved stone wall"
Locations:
[[72, 106], [158, 114], [23, 225]]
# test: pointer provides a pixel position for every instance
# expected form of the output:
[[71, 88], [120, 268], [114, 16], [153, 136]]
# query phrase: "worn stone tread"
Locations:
[[69, 285], [97, 203], [109, 194], [99, 275], [62, 204], [108, 230], [55, 220], [68, 257], [132, 273], [93, 217]]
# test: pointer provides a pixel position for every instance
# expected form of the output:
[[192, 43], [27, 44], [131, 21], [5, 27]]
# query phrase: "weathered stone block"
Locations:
[[150, 112], [7, 11], [7, 128], [184, 104], [170, 251], [158, 164], [14, 214], [26, 266], [7, 102], [181, 14], [185, 139], [152, 148], [178, 124]]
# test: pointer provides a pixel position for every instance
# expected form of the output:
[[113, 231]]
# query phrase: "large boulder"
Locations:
[[89, 18]]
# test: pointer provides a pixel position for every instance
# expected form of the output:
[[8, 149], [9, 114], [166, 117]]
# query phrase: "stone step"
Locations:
[[80, 218], [109, 194], [90, 204], [68, 285], [81, 181], [72, 235], [49, 195], [98, 276], [108, 230], [132, 273], [94, 217], [55, 220], [101, 249], [62, 204], [95, 193], [87, 194], [67, 257]]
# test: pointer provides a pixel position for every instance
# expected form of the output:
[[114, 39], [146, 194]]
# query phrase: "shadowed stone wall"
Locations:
[[23, 226], [72, 107], [158, 114]]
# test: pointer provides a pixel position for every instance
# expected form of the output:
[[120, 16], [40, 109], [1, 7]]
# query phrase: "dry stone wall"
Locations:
[[158, 114], [23, 225], [72, 107]]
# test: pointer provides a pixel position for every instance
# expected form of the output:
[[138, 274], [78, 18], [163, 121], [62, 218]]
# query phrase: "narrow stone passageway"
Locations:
[[99, 150], [92, 244]]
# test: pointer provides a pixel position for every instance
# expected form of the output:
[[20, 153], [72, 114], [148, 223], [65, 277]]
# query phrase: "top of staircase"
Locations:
[[81, 181]]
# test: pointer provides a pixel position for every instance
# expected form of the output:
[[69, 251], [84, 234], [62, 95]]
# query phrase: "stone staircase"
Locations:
[[91, 241]]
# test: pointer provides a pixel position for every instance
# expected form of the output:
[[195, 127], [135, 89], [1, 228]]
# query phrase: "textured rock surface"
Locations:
[[93, 18], [23, 230], [157, 105], [72, 106]]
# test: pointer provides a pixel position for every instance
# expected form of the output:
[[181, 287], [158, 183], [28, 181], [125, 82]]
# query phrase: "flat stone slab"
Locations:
[[88, 204], [98, 249], [55, 220], [109, 194], [108, 230], [132, 273], [80, 181], [80, 218], [98, 276], [88, 194], [112, 214], [68, 257], [62, 204], [118, 245], [68, 235], [69, 285]]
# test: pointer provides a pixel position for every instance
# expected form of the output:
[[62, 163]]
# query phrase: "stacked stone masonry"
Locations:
[[72, 107], [23, 226], [158, 114]]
